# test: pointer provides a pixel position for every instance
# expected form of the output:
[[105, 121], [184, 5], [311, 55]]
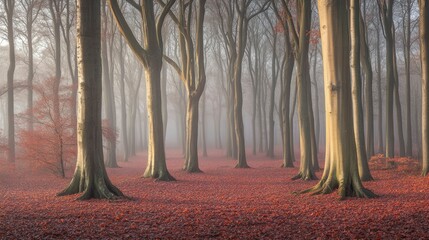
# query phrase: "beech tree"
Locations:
[[356, 80], [192, 73], [9, 9], [424, 55], [90, 176], [150, 55], [341, 169]]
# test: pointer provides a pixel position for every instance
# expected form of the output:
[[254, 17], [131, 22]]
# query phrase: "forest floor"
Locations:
[[222, 202]]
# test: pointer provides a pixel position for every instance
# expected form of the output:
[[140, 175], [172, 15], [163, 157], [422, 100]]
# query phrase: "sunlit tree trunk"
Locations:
[[10, 8], [356, 83], [150, 55], [424, 54], [341, 170], [90, 177]]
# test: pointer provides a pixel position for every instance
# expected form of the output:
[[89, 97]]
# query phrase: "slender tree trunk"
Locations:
[[316, 91], [123, 100], [304, 88], [407, 50], [108, 94], [341, 169], [380, 98], [203, 125], [356, 83], [292, 145], [386, 10], [164, 99], [365, 58], [10, 5], [424, 48], [288, 151], [191, 160], [270, 152], [90, 177], [260, 120], [30, 75]]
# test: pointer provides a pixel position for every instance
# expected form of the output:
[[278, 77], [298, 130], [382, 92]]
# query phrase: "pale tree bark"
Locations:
[[109, 104], [386, 12], [365, 59], [90, 177], [424, 54], [10, 9], [356, 80], [274, 76], [150, 55], [203, 125], [341, 169]]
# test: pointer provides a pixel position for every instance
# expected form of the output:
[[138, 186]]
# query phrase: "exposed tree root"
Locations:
[[366, 178], [159, 176], [100, 188], [308, 176], [242, 165], [326, 187], [193, 170], [287, 165]]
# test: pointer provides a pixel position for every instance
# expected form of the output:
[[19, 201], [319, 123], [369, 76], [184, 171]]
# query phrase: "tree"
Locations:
[[9, 7], [192, 73], [341, 169], [150, 55], [356, 80], [90, 176], [301, 39], [386, 12], [51, 142], [109, 103], [424, 55]]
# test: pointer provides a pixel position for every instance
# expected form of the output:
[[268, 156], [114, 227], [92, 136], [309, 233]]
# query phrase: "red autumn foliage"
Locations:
[[52, 142], [221, 203]]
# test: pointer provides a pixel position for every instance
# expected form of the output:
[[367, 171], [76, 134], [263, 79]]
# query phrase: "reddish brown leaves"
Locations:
[[222, 203]]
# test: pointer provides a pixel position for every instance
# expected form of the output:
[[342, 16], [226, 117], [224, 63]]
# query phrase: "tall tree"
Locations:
[[123, 99], [192, 72], [32, 9], [90, 177], [424, 54], [341, 169], [109, 103], [386, 15], [356, 80], [10, 9], [301, 39], [150, 55]]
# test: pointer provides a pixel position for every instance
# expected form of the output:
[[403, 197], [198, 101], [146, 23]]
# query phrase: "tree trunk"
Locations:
[[424, 48], [270, 152], [365, 58], [108, 94], [386, 10], [304, 88], [356, 82], [380, 98], [10, 5], [123, 100], [341, 169], [203, 125], [191, 160], [90, 177], [164, 99], [407, 49], [288, 153]]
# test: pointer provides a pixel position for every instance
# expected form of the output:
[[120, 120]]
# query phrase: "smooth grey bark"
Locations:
[[356, 83], [109, 104], [424, 55], [10, 8], [406, 42], [365, 58], [123, 100], [380, 98], [386, 15], [150, 55], [341, 169], [90, 177]]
